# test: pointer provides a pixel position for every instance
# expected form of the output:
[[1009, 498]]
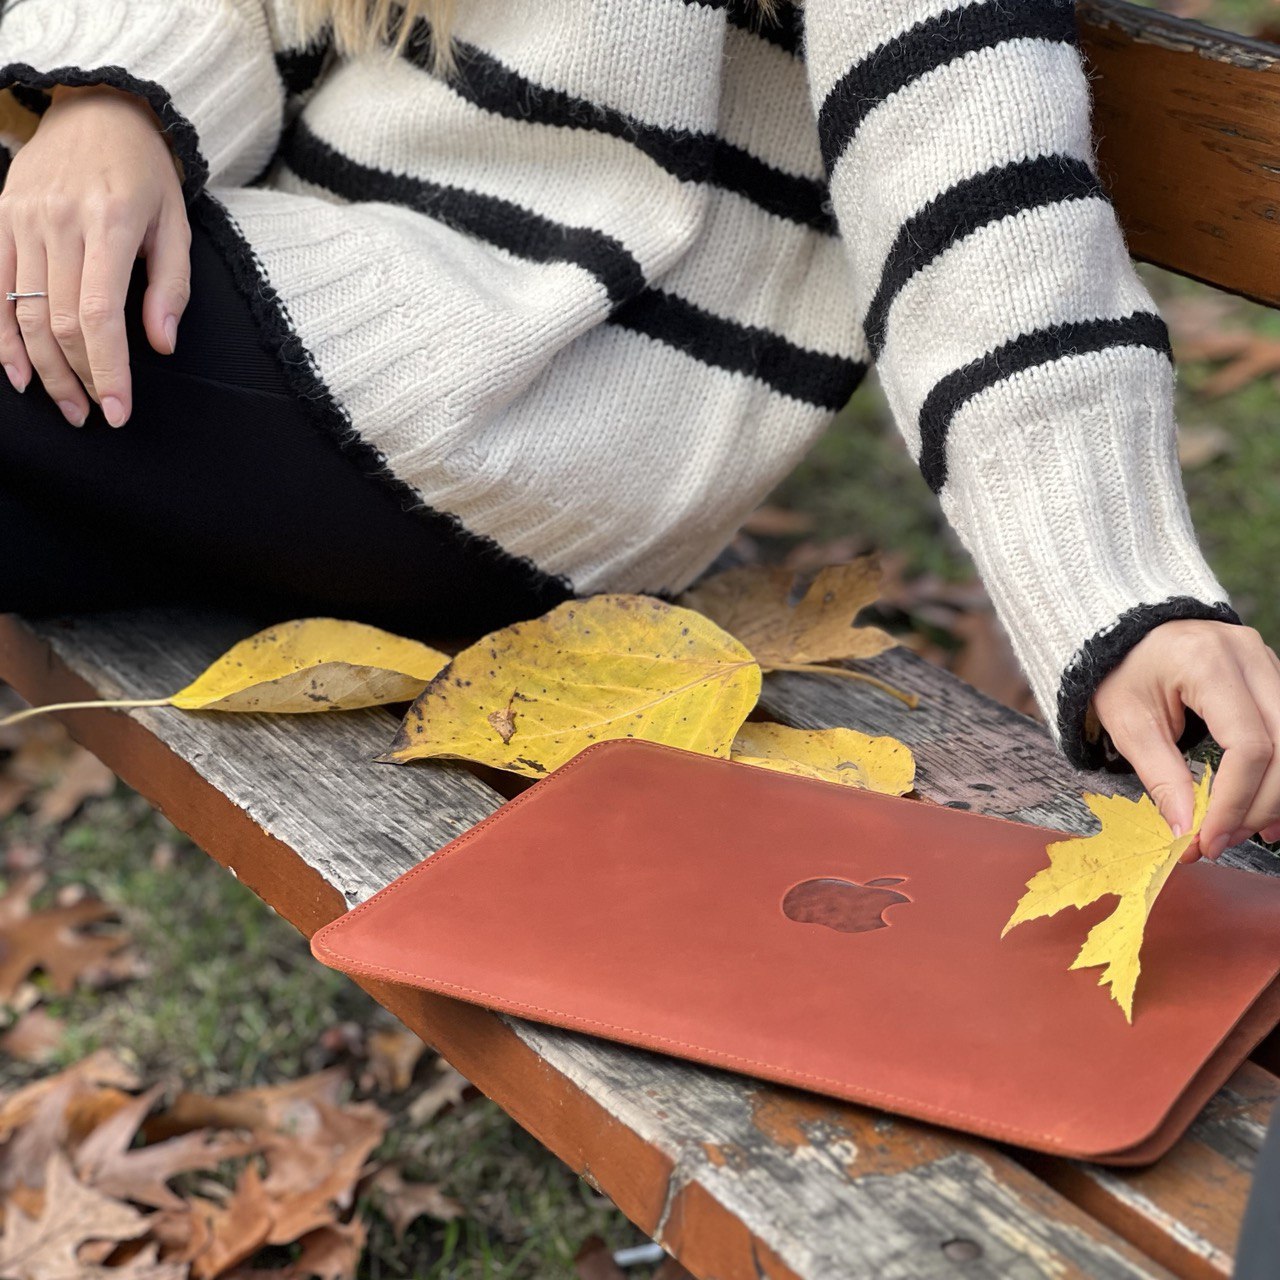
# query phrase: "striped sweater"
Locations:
[[595, 294]]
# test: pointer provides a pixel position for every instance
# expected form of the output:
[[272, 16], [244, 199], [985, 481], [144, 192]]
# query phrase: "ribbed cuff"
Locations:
[[205, 68], [1064, 484], [1082, 739]]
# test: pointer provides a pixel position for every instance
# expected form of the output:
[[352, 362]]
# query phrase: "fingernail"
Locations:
[[171, 332], [12, 373], [72, 412], [113, 410], [1177, 828], [1216, 846]]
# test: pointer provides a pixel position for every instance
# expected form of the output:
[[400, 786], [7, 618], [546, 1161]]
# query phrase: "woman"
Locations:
[[437, 334]]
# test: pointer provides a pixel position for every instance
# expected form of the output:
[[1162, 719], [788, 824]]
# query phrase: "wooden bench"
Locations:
[[741, 1180]]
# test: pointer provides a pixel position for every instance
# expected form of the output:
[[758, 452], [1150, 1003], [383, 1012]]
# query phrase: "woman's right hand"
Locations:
[[95, 188]]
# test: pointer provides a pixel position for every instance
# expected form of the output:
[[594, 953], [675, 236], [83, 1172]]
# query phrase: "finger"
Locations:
[[33, 321], [1228, 709], [64, 249], [1271, 833], [109, 257], [13, 351], [1149, 744], [1262, 675], [168, 278]]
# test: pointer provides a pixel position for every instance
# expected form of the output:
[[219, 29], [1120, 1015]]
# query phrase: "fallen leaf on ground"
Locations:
[[312, 664], [46, 765], [594, 1261], [1246, 356], [1200, 445], [107, 1160], [393, 1055], [1132, 857], [835, 755], [238, 1227], [83, 777], [33, 1037], [403, 1203], [608, 666], [44, 1247], [49, 939], [447, 1091], [331, 1252]]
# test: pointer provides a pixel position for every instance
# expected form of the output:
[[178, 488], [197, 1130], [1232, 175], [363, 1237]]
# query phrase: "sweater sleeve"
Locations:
[[207, 68], [1023, 358]]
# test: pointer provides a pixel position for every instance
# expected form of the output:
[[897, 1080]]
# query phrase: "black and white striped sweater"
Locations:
[[595, 295]]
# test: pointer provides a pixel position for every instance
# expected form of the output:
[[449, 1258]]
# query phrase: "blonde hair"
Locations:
[[359, 26]]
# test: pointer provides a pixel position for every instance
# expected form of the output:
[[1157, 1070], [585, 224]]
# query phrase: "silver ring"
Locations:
[[35, 293]]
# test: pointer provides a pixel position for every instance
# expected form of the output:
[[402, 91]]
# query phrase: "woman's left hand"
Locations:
[[1231, 677]]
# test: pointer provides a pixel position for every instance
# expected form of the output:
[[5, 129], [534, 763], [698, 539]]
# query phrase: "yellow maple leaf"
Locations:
[[1131, 857], [529, 697], [835, 755], [310, 664]]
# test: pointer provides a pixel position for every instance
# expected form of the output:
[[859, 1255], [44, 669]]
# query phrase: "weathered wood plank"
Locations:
[[739, 1179], [1188, 127], [972, 752], [1186, 1210], [975, 753]]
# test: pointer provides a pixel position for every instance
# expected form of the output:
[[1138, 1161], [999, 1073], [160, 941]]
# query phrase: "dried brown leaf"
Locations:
[[753, 604], [33, 1037], [403, 1203], [45, 1247]]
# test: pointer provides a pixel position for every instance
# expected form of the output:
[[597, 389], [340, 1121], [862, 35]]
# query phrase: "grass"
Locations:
[[232, 998]]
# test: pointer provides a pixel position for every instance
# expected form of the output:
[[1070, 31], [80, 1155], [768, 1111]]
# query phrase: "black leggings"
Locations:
[[222, 490]]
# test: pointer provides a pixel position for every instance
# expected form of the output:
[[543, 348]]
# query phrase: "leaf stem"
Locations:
[[912, 700], [30, 712]]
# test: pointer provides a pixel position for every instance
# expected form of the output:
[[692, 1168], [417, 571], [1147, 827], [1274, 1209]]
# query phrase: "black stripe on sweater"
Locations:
[[500, 222], [1142, 329], [928, 45], [814, 377], [963, 209], [487, 83], [299, 69], [784, 29], [822, 380]]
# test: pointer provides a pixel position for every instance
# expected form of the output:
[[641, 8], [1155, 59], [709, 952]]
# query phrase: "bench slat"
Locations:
[[975, 752], [1188, 126], [740, 1179]]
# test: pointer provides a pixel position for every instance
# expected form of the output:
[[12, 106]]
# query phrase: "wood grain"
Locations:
[[1187, 121], [972, 752], [739, 1179]]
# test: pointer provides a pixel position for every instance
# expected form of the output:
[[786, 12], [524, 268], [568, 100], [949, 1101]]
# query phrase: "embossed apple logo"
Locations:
[[843, 904]]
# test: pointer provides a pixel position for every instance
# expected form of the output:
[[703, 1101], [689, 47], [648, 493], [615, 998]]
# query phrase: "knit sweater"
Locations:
[[596, 293]]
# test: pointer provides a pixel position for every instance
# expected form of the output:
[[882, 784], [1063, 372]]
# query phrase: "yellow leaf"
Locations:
[[1131, 857], [314, 664], [835, 755], [752, 603], [311, 664], [531, 696]]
